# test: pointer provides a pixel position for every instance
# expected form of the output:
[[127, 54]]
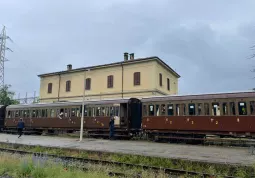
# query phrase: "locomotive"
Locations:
[[157, 117]]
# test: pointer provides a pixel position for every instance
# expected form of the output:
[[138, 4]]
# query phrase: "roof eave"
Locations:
[[112, 64]]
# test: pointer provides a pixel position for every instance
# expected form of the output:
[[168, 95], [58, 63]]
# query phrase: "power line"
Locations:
[[3, 48]]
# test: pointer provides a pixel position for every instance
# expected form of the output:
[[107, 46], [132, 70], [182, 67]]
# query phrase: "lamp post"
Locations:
[[83, 103]]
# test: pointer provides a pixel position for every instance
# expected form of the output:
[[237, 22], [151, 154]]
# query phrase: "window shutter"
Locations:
[[137, 78], [68, 85], [168, 84], [110, 81], [50, 88], [88, 83], [160, 79]]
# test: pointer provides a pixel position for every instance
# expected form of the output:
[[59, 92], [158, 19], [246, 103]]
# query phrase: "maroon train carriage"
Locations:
[[66, 116], [196, 116]]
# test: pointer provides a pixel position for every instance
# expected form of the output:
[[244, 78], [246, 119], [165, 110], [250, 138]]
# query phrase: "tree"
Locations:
[[6, 96]]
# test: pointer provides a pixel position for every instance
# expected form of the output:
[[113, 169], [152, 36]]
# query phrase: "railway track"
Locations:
[[169, 171]]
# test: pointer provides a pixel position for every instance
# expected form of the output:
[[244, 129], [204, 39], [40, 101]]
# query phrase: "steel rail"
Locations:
[[97, 161]]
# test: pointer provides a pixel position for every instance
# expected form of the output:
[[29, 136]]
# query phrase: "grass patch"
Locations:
[[17, 167], [216, 169]]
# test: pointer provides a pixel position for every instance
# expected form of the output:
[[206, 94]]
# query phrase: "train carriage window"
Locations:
[[78, 112], [36, 113], [25, 114], [144, 110], [22, 113], [111, 111], [252, 107], [177, 109], [33, 114], [98, 111], [225, 108], [170, 110], [17, 113], [60, 112], [73, 112], [13, 114], [157, 110], [52, 113], [151, 110], [117, 109], [9, 114], [43, 113], [46, 113], [163, 109], [199, 109], [93, 112], [215, 109], [107, 111], [66, 113], [89, 112], [192, 109], [206, 109], [102, 111], [184, 109], [39, 113], [242, 108], [232, 108], [85, 111]]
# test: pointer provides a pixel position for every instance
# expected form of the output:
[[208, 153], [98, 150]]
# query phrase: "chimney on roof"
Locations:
[[69, 67], [132, 56], [125, 56]]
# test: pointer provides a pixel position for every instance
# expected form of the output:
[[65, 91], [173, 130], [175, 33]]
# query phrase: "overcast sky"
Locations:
[[206, 42]]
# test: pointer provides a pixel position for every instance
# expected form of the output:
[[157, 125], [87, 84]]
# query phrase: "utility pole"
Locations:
[[3, 48]]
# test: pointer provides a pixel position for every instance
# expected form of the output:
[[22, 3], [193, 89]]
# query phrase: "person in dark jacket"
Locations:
[[111, 126], [21, 126]]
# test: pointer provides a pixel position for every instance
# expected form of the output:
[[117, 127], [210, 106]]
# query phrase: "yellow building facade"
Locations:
[[132, 77]]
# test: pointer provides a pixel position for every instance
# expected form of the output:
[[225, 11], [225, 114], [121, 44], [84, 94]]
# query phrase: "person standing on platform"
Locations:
[[21, 126], [111, 126]]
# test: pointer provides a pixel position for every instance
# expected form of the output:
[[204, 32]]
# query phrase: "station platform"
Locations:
[[210, 154]]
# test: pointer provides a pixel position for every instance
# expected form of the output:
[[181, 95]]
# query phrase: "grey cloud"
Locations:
[[207, 42]]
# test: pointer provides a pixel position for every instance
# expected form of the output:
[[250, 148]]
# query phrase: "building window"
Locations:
[[49, 87], [68, 86], [160, 79], [168, 84], [110, 81], [137, 78], [88, 84]]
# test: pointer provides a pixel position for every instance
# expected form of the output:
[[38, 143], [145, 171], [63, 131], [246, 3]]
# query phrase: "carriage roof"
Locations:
[[69, 103], [228, 95]]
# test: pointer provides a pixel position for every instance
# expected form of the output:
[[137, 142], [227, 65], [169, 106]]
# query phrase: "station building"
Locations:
[[131, 77]]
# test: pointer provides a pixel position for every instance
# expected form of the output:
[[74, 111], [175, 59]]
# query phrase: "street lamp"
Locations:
[[83, 101]]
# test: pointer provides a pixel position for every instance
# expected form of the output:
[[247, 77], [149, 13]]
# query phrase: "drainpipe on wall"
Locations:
[[59, 85], [122, 80]]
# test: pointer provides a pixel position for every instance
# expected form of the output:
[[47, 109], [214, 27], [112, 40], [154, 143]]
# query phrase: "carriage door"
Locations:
[[123, 115], [116, 114]]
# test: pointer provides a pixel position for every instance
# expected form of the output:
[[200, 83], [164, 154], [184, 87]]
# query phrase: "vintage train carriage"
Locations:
[[65, 116], [2, 117], [44, 117], [127, 114], [182, 117]]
